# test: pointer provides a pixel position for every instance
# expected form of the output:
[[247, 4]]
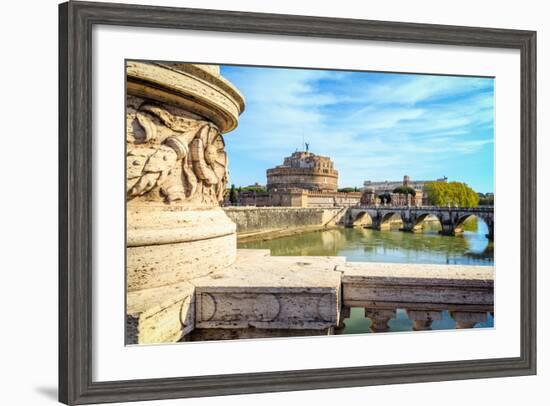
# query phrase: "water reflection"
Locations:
[[360, 245]]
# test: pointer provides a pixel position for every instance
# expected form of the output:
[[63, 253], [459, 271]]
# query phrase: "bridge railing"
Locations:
[[423, 291], [401, 207]]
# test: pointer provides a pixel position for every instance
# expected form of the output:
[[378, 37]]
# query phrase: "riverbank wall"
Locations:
[[272, 222]]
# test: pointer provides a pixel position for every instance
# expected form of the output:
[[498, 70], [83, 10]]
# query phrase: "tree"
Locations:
[[254, 188], [405, 190], [233, 196], [347, 189], [385, 198], [486, 199], [451, 194]]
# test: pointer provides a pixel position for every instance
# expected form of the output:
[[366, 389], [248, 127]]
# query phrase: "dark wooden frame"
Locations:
[[76, 20]]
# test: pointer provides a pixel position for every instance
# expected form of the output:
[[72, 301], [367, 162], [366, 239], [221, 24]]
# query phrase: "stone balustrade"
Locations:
[[423, 290], [263, 296]]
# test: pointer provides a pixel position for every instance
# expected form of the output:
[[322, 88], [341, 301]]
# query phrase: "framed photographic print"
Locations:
[[259, 202]]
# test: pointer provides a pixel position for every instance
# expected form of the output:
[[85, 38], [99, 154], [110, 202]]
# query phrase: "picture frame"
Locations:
[[76, 20]]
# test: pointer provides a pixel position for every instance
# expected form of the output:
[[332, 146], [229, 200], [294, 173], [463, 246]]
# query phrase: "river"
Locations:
[[366, 245]]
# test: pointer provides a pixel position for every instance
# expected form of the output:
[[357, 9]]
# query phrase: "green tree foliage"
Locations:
[[451, 193], [233, 196], [347, 189], [385, 197], [405, 190], [257, 189], [486, 199]]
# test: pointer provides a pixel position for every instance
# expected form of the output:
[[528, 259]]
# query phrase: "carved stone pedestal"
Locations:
[[176, 175]]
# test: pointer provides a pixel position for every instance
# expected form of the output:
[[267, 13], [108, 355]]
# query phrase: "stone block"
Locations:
[[417, 286], [152, 266], [160, 315], [296, 293]]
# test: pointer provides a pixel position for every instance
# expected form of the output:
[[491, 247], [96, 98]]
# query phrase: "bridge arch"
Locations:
[[389, 218], [420, 220], [361, 219], [460, 223]]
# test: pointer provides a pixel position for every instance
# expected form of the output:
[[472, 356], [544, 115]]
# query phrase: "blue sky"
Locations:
[[376, 126]]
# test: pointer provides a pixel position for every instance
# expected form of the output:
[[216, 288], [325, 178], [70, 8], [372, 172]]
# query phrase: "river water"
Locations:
[[366, 245]]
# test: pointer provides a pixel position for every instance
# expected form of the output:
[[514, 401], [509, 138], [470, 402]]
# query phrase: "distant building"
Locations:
[[370, 198], [388, 186], [303, 170], [382, 193]]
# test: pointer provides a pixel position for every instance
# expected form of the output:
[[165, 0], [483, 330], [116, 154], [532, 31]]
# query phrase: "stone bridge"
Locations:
[[451, 218]]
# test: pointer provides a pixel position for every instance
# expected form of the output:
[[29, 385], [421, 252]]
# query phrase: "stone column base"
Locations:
[[166, 244]]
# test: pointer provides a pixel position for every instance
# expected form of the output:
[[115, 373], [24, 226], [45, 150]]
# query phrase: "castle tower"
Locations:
[[303, 170]]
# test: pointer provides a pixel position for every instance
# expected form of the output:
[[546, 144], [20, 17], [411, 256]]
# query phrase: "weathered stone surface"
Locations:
[[158, 223], [468, 319], [422, 319], [160, 315], [379, 319], [209, 334], [417, 286], [252, 255], [159, 265], [254, 223], [196, 88], [276, 293]]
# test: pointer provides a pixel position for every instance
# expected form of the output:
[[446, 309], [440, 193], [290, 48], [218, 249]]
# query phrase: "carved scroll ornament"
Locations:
[[174, 158]]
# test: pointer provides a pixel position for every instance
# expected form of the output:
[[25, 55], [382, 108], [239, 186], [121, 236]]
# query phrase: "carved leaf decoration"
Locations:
[[178, 155], [190, 177], [148, 126], [147, 168], [205, 152]]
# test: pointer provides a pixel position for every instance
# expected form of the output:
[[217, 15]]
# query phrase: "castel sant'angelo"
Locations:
[[303, 180], [303, 170]]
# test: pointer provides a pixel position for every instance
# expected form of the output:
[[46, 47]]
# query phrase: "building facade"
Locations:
[[386, 186], [299, 198], [371, 198]]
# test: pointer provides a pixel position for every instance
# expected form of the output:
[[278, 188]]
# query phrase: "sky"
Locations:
[[375, 126]]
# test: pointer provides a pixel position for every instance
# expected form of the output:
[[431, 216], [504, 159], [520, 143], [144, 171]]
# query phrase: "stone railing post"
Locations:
[[380, 319], [468, 319], [422, 319], [345, 312], [176, 168]]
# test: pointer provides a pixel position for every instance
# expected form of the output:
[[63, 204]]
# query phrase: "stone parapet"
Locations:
[[424, 290], [265, 296], [291, 293]]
